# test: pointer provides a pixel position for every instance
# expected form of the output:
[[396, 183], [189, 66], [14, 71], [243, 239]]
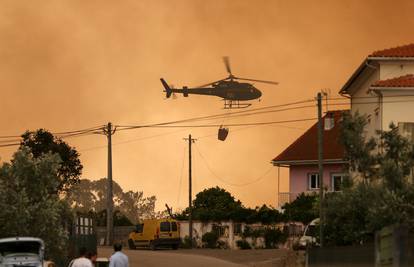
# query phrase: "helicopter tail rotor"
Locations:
[[167, 90]]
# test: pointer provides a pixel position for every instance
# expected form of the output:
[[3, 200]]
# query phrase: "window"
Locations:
[[165, 226], [237, 230], [139, 228], [313, 181], [220, 230], [336, 181]]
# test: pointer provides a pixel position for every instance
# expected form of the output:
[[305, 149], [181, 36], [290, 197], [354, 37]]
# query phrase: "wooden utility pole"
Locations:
[[190, 204], [320, 166], [108, 131]]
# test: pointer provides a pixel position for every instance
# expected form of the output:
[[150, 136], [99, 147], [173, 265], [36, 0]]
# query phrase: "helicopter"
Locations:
[[229, 89]]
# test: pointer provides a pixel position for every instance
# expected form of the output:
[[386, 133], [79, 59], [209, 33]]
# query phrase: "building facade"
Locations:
[[382, 88], [301, 157]]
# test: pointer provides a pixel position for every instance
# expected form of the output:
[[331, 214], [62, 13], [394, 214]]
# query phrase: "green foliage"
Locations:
[[186, 242], [41, 142], [210, 239], [119, 219], [91, 196], [273, 237], [26, 206], [302, 209], [254, 233], [383, 197], [243, 244], [358, 150], [216, 204]]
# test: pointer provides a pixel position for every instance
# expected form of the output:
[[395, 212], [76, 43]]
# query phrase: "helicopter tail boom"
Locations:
[[168, 90]]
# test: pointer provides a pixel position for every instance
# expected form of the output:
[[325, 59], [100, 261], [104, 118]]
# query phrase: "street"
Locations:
[[158, 258], [199, 257]]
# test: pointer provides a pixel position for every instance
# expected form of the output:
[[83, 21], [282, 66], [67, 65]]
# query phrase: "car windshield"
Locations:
[[27, 247], [312, 230], [165, 226]]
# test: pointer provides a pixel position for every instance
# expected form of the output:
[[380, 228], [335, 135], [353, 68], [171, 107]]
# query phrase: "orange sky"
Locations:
[[68, 65]]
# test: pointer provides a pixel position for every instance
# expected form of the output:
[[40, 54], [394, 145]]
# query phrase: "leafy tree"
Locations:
[[26, 206], [41, 142], [92, 196], [358, 151], [216, 204], [302, 209], [384, 196], [119, 218]]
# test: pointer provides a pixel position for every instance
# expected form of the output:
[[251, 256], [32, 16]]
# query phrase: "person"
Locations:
[[82, 261], [92, 256], [118, 259]]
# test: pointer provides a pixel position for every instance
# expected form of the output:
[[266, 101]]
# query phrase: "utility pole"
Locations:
[[190, 204], [109, 131], [320, 166]]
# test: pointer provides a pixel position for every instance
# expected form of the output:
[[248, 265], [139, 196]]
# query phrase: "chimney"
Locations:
[[329, 122]]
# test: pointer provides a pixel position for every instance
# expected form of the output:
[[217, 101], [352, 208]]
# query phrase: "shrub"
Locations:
[[210, 239], [273, 237], [243, 244], [185, 242]]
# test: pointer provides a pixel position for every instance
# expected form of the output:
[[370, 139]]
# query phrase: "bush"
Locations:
[[254, 233], [273, 237], [185, 242], [210, 239], [243, 244]]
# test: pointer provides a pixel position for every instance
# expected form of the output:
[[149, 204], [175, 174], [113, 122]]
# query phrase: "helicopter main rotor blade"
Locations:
[[227, 63], [254, 80], [208, 84]]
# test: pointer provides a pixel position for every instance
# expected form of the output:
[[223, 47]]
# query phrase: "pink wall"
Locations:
[[298, 177]]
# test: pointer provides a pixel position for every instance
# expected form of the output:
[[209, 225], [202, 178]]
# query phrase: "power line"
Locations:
[[133, 140], [231, 125], [221, 115], [229, 183]]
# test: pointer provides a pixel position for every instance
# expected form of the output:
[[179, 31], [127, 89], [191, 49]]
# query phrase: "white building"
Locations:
[[383, 89]]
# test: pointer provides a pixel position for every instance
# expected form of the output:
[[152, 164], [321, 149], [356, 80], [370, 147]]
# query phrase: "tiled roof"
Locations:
[[305, 148], [403, 81], [399, 51]]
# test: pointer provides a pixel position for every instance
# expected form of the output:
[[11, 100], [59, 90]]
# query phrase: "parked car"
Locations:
[[310, 234], [155, 233], [22, 251]]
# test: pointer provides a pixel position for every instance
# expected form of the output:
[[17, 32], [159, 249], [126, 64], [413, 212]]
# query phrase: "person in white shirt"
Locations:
[[118, 259], [82, 261]]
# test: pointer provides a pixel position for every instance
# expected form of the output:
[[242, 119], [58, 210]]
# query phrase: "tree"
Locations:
[[41, 142], [302, 209], [91, 196], [384, 196], [26, 206], [358, 151], [216, 204]]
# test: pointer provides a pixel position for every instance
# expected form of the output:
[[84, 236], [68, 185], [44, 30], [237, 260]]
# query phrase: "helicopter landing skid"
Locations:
[[235, 104]]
